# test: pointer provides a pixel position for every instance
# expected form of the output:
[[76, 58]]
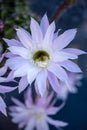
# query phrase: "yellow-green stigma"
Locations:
[[41, 58]]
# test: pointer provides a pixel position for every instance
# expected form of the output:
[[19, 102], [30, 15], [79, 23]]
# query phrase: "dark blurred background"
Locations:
[[14, 13]]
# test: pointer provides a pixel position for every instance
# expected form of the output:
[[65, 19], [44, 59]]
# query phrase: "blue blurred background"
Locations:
[[75, 110]]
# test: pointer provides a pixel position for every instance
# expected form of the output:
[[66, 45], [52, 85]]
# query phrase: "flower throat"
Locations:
[[41, 58]]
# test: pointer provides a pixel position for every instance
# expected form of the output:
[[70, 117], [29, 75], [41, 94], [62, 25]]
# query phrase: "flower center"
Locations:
[[41, 58], [39, 116]]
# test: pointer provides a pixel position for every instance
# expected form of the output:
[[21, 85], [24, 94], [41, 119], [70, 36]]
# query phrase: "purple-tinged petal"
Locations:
[[44, 24], [49, 99], [28, 97], [13, 108], [21, 125], [41, 81], [64, 39], [31, 124], [4, 79], [2, 57], [2, 103], [21, 51], [27, 34], [74, 51], [44, 101], [22, 71], [56, 123], [71, 66], [54, 82], [62, 56], [19, 117], [12, 42], [56, 34], [23, 83], [10, 77], [49, 34], [54, 110], [37, 35], [3, 106], [36, 88], [58, 71], [9, 55], [63, 93], [24, 37], [32, 72], [42, 125], [3, 70], [18, 103], [5, 89], [16, 62]]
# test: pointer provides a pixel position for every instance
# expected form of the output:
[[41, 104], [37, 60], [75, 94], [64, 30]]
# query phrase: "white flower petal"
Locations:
[[10, 77], [53, 110], [56, 34], [16, 62], [12, 42], [21, 124], [58, 71], [22, 84], [54, 82], [19, 117], [3, 70], [6, 89], [21, 51], [62, 56], [36, 31], [24, 37], [2, 57], [49, 35], [56, 123], [18, 103], [42, 125], [41, 82], [31, 124], [28, 97], [74, 51], [32, 73], [71, 66], [22, 71], [64, 39], [44, 24]]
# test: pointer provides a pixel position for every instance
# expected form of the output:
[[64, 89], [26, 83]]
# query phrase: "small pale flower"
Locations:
[[74, 82], [36, 114], [42, 55]]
